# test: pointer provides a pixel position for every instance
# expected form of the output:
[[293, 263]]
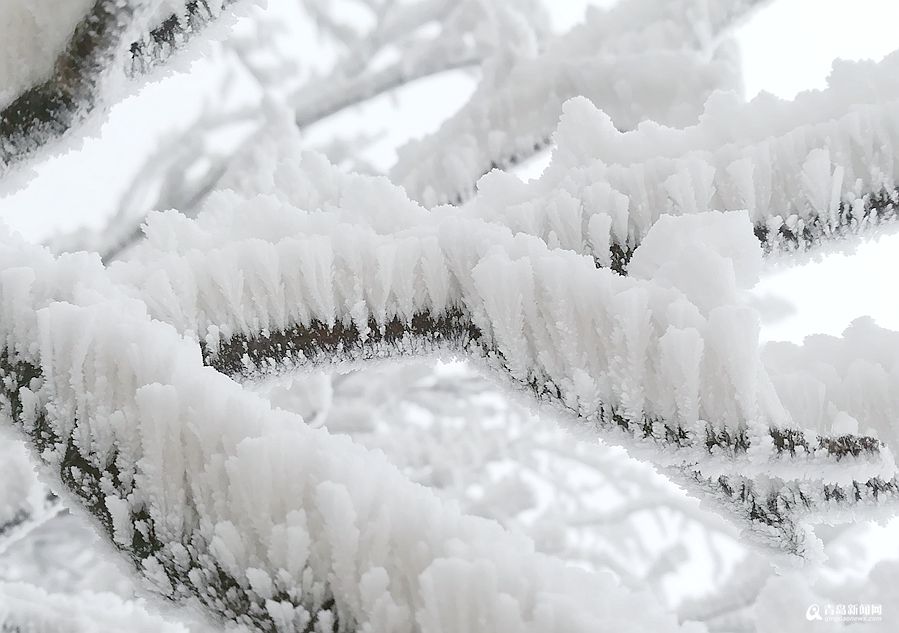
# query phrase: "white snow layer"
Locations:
[[233, 488]]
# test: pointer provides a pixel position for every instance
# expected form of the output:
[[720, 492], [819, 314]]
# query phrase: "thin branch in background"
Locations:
[[173, 33]]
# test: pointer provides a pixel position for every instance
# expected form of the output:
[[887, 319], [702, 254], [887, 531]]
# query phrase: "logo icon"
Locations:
[[813, 613]]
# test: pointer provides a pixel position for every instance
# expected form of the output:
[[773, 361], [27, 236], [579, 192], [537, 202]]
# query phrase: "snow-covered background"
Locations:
[[442, 425]]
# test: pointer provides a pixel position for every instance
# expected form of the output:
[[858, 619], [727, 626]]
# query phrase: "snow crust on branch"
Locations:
[[812, 169], [180, 465], [607, 59], [34, 33]]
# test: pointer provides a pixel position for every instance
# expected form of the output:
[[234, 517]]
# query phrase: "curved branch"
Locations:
[[808, 171], [334, 287], [221, 501], [773, 508]]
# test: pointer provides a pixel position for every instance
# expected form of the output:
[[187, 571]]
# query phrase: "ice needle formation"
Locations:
[[104, 371], [610, 292]]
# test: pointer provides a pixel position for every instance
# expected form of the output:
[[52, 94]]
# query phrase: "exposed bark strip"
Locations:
[[850, 218], [772, 508], [274, 352], [871, 210], [775, 505], [162, 42]]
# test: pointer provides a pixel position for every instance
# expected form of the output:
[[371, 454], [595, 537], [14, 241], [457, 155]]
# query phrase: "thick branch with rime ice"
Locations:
[[771, 506], [220, 500], [631, 360]]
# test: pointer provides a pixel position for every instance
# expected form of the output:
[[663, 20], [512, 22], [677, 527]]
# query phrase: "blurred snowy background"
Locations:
[[165, 146]]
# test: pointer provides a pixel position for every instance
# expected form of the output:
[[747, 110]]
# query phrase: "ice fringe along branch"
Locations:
[[220, 500], [808, 171], [343, 285], [171, 457]]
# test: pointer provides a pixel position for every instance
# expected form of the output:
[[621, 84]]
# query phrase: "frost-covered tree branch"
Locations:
[[420, 289], [164, 509], [45, 111], [50, 108], [610, 292], [812, 170]]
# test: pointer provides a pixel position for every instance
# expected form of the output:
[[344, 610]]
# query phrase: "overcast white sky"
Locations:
[[787, 47]]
